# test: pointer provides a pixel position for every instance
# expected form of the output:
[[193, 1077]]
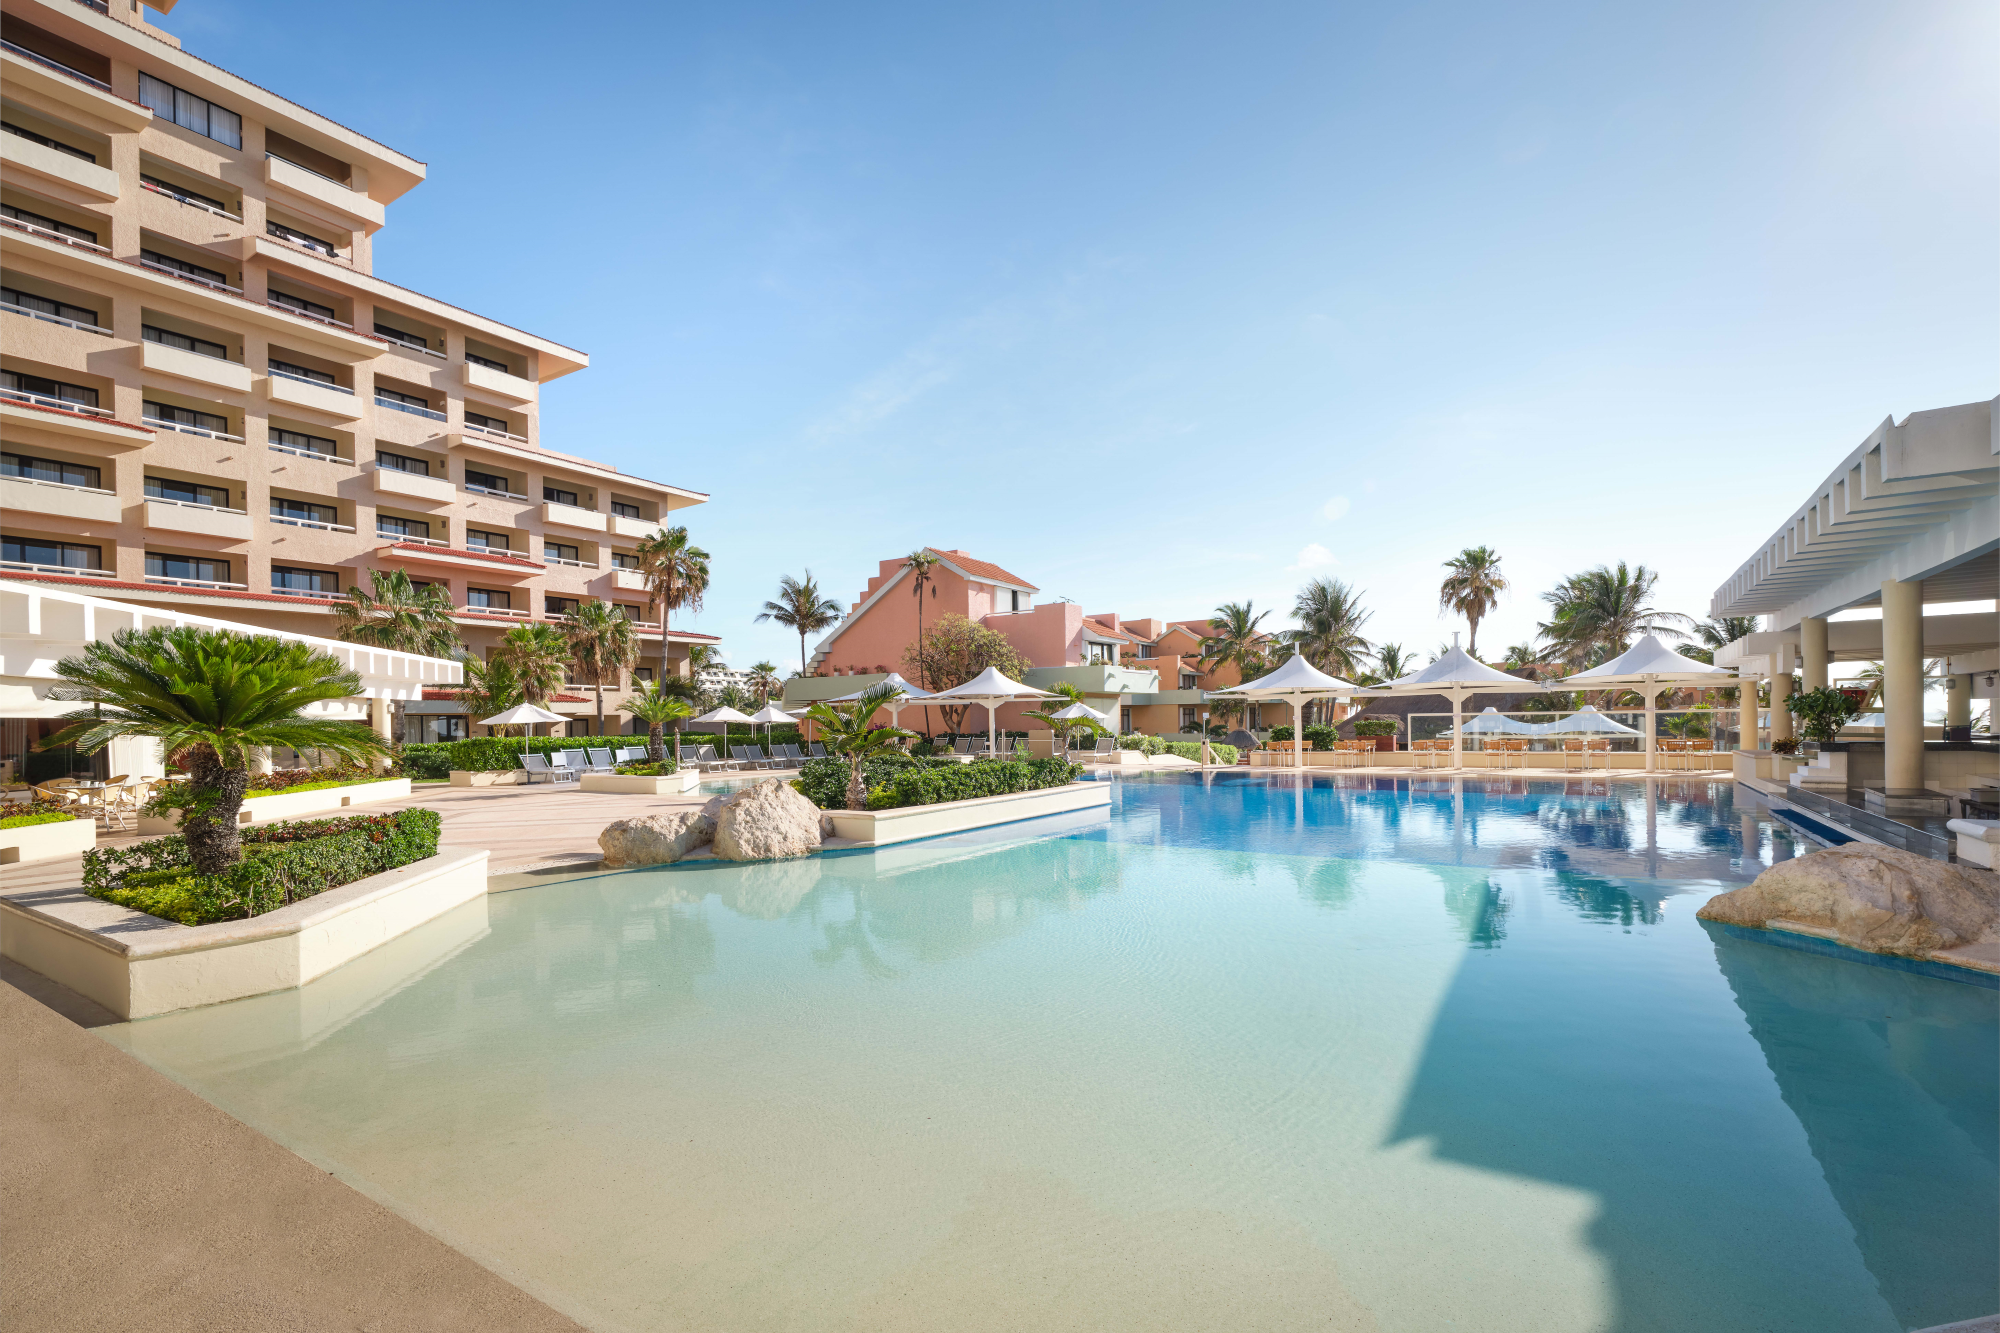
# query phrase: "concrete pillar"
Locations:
[[1746, 709], [378, 721], [1812, 647], [1958, 702], [1781, 690], [1903, 685]]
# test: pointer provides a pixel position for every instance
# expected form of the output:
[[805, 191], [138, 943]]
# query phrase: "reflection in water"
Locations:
[[1596, 899]]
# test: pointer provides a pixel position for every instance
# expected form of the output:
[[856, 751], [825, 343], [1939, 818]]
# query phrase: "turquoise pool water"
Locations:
[[1246, 1052]]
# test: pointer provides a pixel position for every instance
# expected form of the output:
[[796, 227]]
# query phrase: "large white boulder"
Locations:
[[1881, 899], [655, 840], [765, 822]]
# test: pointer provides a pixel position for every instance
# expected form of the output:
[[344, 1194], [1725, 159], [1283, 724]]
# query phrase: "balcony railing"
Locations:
[[59, 485], [411, 408], [188, 199], [195, 504], [60, 404], [31, 568], [488, 490], [194, 278], [290, 309], [495, 434], [44, 316], [161, 423], [311, 523], [496, 611], [317, 594], [97, 5], [564, 560], [307, 379], [48, 235], [308, 453], [197, 583], [410, 346], [419, 541], [57, 66]]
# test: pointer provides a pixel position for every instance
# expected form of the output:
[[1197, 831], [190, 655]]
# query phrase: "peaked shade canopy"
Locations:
[[1296, 682], [1455, 675], [1493, 722], [991, 689], [1585, 721], [894, 678], [522, 715], [725, 715], [1648, 667]]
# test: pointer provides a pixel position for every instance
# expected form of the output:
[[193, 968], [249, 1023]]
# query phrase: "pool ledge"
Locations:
[[880, 828], [139, 966]]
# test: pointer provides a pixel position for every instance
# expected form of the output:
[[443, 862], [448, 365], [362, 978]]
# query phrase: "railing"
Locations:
[[194, 278], [98, 5], [310, 523], [308, 453], [43, 315], [195, 504], [315, 593], [163, 424], [496, 434], [32, 568], [188, 199], [1880, 827], [409, 346], [501, 552], [307, 379], [324, 249], [564, 560], [488, 490], [46, 234], [57, 66], [420, 541], [310, 172], [58, 485], [289, 309], [496, 611], [196, 583], [411, 408], [61, 404]]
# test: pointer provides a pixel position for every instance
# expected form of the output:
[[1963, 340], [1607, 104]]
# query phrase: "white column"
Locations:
[[1812, 647], [1903, 685], [378, 721], [1781, 690], [1457, 729], [1651, 690]]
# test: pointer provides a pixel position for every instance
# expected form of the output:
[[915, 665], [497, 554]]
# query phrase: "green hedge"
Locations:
[[42, 817], [648, 769], [1146, 745], [1224, 754], [1375, 726], [934, 784], [824, 781], [496, 754], [282, 863]]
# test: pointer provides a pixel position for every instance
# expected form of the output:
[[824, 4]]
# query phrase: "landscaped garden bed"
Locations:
[[921, 798], [162, 814], [44, 835]]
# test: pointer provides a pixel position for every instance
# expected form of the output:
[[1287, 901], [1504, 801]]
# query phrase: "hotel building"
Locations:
[[209, 401]]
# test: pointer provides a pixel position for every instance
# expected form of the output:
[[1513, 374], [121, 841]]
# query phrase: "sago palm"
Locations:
[[211, 698], [1471, 588], [802, 608], [603, 644], [656, 707], [676, 574], [848, 732]]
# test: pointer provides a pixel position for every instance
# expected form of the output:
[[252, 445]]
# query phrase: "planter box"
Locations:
[[138, 966], [47, 842], [674, 784], [506, 777], [293, 805], [879, 828]]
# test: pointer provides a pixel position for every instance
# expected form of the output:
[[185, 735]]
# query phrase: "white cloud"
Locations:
[[1335, 508], [1312, 556], [885, 394]]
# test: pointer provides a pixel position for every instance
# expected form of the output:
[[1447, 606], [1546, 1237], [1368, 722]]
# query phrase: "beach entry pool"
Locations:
[[1250, 1051]]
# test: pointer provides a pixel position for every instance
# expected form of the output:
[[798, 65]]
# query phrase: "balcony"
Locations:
[[297, 452], [414, 486], [203, 520], [56, 165], [499, 384], [54, 498], [197, 583], [178, 428], [347, 206], [565, 561], [496, 494], [12, 309], [628, 580], [31, 411], [68, 571], [410, 408], [622, 526], [487, 564], [213, 371], [314, 524], [476, 433], [183, 197], [297, 391], [52, 79], [560, 515]]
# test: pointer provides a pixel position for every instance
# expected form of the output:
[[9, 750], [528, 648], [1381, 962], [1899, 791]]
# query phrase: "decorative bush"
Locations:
[[282, 863], [1321, 738], [824, 781], [934, 784], [1822, 712], [1146, 745], [1785, 745], [38, 817], [1375, 726], [1281, 734], [665, 768], [1224, 754]]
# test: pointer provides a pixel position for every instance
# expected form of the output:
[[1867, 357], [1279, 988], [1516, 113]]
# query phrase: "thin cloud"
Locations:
[[880, 397], [1312, 556], [1336, 508]]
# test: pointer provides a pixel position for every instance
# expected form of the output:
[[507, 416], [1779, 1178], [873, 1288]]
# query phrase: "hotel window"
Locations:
[[635, 614], [47, 224], [1256, 717], [1097, 654], [168, 414], [299, 303], [556, 495], [559, 606], [190, 112], [286, 578], [284, 233], [1190, 681], [477, 539], [1145, 650], [623, 510], [45, 141], [444, 729], [183, 193], [43, 305], [487, 481], [187, 492], [200, 569], [62, 555], [488, 599], [1189, 722], [199, 346], [488, 362], [486, 422], [402, 463], [1014, 599], [312, 444], [49, 469], [300, 372], [37, 387], [556, 550], [407, 399], [642, 673], [1125, 720], [396, 335], [303, 511], [624, 560], [184, 268], [388, 526]]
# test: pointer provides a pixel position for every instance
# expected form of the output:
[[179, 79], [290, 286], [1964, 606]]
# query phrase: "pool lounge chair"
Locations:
[[749, 756], [818, 751], [539, 768], [630, 754], [601, 761], [708, 761]]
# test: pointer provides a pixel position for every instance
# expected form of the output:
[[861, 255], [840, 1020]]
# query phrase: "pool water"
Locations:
[[1245, 1052]]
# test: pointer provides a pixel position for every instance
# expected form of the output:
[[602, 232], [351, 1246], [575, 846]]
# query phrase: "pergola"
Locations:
[[1456, 675], [1650, 666], [1296, 682], [992, 689]]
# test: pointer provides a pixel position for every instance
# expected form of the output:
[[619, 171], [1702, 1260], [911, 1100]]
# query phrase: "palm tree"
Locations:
[[684, 689], [1330, 620], [603, 645], [211, 697], [676, 575], [1391, 661], [1718, 632], [1596, 614], [1471, 588], [490, 688], [399, 615], [922, 564], [1066, 695], [538, 656], [764, 680], [845, 729], [1234, 637], [802, 608], [656, 706]]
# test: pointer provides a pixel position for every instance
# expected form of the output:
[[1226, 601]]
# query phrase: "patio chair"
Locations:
[[538, 768], [749, 756], [706, 760], [600, 761], [1575, 750], [1699, 751], [797, 755], [631, 754], [1105, 745], [1597, 747], [818, 750]]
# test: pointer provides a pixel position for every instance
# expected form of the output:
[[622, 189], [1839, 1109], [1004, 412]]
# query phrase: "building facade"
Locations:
[[208, 399]]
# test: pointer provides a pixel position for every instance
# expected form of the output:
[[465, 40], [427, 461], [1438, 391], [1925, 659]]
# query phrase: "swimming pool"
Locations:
[[1245, 1052]]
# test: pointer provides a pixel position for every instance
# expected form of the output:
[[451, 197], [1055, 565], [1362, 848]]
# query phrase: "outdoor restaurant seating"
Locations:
[[1429, 754]]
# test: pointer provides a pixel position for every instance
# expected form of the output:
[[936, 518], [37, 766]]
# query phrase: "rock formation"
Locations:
[[765, 822], [1880, 899], [655, 840]]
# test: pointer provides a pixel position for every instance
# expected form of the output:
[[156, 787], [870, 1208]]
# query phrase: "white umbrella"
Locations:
[[1456, 675], [522, 715], [1078, 712], [894, 703], [992, 689], [725, 715], [1650, 666], [1492, 722], [1585, 721], [768, 714], [1297, 682]]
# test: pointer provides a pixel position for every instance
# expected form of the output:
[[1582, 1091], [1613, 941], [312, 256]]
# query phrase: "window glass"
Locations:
[[43, 305], [47, 224], [168, 338], [188, 492], [409, 398], [397, 335], [314, 444], [389, 526], [556, 495], [45, 141], [559, 606], [47, 388], [36, 551], [624, 510], [199, 568], [622, 560], [303, 510], [182, 192], [183, 266], [488, 598], [49, 469], [289, 578], [301, 372], [491, 481], [186, 416], [559, 551], [290, 302], [488, 362], [486, 422], [402, 463], [478, 539], [284, 233], [190, 112]]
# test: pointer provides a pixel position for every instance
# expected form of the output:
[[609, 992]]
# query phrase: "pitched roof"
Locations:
[[983, 569]]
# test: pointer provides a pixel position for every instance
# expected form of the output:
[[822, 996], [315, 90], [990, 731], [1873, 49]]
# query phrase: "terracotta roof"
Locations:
[[981, 569], [1108, 630]]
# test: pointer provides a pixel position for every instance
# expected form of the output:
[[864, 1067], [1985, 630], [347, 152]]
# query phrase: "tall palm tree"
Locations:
[[676, 575], [396, 614], [656, 706], [846, 731], [1597, 614], [1718, 632], [603, 645], [922, 564], [1471, 588], [1234, 637], [490, 688], [212, 697], [1391, 661], [802, 608], [538, 655], [1329, 633], [764, 680]]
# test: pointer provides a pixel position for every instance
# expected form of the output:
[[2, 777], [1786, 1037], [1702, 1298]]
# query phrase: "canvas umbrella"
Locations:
[[522, 715], [768, 714], [896, 703], [1457, 675], [1296, 682], [1585, 721], [1491, 721], [992, 689], [725, 715], [1650, 666], [1079, 712]]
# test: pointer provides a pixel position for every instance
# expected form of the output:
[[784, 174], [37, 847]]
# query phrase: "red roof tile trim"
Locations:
[[80, 416], [981, 569], [160, 588]]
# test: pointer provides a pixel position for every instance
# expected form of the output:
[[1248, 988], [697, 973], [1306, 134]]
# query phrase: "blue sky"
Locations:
[[1164, 305]]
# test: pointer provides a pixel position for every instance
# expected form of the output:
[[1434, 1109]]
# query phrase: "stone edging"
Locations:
[[880, 828], [293, 805]]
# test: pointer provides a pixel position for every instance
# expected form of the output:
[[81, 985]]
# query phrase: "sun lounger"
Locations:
[[600, 761], [818, 750], [749, 756], [708, 761], [631, 754], [540, 769]]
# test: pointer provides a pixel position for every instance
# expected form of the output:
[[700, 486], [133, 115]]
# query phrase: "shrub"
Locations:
[[934, 784], [824, 781], [665, 768], [1281, 734], [1224, 754], [175, 794], [1147, 745], [1321, 738], [1375, 726], [39, 817], [282, 863]]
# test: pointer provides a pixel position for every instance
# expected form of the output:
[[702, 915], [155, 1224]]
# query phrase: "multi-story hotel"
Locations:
[[210, 401]]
